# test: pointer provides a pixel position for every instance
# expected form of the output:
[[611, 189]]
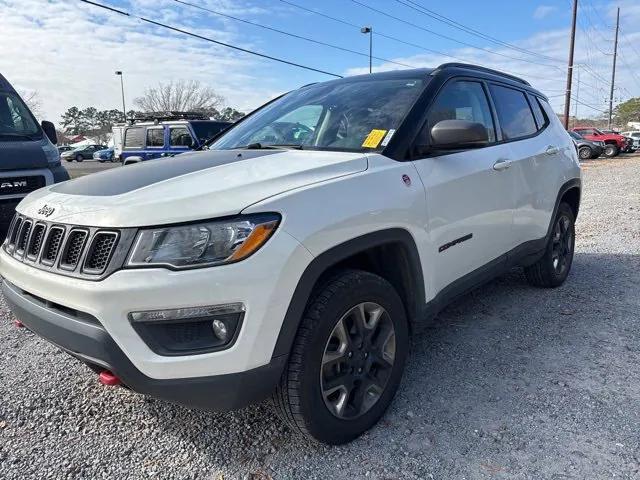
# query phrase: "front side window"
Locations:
[[461, 100], [514, 114], [180, 137], [155, 137], [15, 118], [352, 115]]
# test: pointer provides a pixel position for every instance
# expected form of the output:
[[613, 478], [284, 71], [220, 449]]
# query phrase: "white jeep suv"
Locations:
[[290, 259]]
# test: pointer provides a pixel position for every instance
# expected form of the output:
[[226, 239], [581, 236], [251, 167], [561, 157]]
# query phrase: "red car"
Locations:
[[613, 143]]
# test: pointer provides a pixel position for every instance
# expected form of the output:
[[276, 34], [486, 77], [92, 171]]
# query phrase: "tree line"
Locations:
[[184, 96]]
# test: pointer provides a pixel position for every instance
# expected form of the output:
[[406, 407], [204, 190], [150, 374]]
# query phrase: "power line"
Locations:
[[357, 2], [282, 32], [449, 21], [217, 42]]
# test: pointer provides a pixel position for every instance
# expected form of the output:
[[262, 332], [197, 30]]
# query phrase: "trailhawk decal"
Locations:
[[442, 248]]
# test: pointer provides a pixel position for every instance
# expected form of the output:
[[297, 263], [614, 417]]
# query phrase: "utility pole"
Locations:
[[575, 109], [572, 44], [613, 71]]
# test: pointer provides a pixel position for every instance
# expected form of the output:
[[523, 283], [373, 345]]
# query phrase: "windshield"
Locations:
[[348, 116], [15, 118]]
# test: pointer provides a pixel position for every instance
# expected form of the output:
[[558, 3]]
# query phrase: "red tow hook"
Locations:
[[18, 324], [108, 378]]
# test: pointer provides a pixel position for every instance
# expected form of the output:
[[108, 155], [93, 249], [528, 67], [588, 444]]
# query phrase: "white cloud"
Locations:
[[68, 52], [543, 11]]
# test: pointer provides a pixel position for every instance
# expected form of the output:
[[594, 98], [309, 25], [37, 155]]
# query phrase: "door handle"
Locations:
[[552, 150], [501, 165]]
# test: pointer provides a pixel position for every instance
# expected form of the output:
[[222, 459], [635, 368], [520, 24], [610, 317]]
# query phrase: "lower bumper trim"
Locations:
[[91, 343]]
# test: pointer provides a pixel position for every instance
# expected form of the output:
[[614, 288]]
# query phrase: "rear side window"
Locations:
[[538, 113], [461, 100], [134, 138], [155, 137], [514, 114]]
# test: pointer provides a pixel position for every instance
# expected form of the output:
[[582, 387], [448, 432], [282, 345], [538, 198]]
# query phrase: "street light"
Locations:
[[124, 110], [369, 30]]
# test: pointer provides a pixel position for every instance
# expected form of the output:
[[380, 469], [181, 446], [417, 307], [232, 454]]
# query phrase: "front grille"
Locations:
[[36, 241], [52, 245], [100, 252], [18, 185], [73, 249], [86, 252], [23, 236]]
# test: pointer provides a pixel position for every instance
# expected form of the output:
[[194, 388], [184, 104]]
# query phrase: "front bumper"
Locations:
[[83, 337], [264, 283]]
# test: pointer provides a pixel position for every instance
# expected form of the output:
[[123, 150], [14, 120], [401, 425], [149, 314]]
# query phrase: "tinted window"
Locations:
[[541, 118], [461, 101], [355, 115], [180, 137], [204, 130], [155, 137], [134, 138], [514, 114]]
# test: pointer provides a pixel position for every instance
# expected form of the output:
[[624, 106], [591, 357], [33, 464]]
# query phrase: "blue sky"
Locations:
[[67, 51]]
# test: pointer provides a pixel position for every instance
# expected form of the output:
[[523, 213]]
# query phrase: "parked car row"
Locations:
[[592, 142]]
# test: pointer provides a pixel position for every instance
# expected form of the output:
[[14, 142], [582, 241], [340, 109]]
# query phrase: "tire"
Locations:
[[69, 159], [585, 153], [553, 268], [309, 400], [79, 158], [611, 150]]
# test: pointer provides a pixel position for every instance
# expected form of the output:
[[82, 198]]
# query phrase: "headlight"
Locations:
[[204, 244]]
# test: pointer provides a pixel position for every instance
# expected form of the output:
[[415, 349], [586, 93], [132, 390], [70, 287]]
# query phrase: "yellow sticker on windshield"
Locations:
[[374, 138]]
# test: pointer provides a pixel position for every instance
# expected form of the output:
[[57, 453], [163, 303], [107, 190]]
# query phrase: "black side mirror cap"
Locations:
[[455, 134], [50, 131]]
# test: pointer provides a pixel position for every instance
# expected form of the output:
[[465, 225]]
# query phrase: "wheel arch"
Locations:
[[380, 252]]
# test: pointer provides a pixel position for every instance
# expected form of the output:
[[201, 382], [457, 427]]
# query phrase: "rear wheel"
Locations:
[[585, 153], [347, 359], [611, 150], [553, 268]]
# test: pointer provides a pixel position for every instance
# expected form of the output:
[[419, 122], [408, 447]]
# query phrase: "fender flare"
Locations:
[[131, 160], [323, 262]]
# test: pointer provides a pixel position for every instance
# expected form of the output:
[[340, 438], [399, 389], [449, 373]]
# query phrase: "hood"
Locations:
[[22, 154], [187, 187]]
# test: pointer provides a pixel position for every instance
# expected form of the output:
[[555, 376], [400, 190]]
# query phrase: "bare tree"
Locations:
[[183, 95], [32, 99]]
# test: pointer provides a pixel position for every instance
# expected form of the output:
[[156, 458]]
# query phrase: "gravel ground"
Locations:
[[509, 382]]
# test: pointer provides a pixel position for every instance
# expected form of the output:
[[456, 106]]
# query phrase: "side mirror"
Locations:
[[50, 131], [454, 134]]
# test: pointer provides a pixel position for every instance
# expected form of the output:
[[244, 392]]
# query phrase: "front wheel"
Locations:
[[611, 151], [79, 158], [585, 153], [553, 268], [347, 359]]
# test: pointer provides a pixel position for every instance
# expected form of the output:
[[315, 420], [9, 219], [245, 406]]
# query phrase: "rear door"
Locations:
[[155, 142], [536, 149], [133, 142], [470, 194]]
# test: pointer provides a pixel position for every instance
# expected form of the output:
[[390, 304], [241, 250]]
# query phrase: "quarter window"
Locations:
[[538, 113], [155, 137], [180, 137], [461, 100], [514, 114]]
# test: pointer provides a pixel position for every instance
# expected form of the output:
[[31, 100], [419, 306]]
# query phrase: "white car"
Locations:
[[635, 134], [290, 260]]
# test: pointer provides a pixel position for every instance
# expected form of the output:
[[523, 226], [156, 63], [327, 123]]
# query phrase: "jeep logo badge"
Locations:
[[14, 184], [46, 210]]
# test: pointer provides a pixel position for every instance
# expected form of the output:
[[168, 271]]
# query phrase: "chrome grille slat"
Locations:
[[88, 252]]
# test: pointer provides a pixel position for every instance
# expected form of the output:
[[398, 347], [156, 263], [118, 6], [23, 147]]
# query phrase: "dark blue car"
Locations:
[[164, 136]]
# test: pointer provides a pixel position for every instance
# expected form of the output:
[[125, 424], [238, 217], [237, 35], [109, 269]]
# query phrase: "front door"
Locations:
[[470, 194]]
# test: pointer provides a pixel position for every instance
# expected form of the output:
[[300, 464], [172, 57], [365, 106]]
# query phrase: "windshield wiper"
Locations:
[[259, 146]]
